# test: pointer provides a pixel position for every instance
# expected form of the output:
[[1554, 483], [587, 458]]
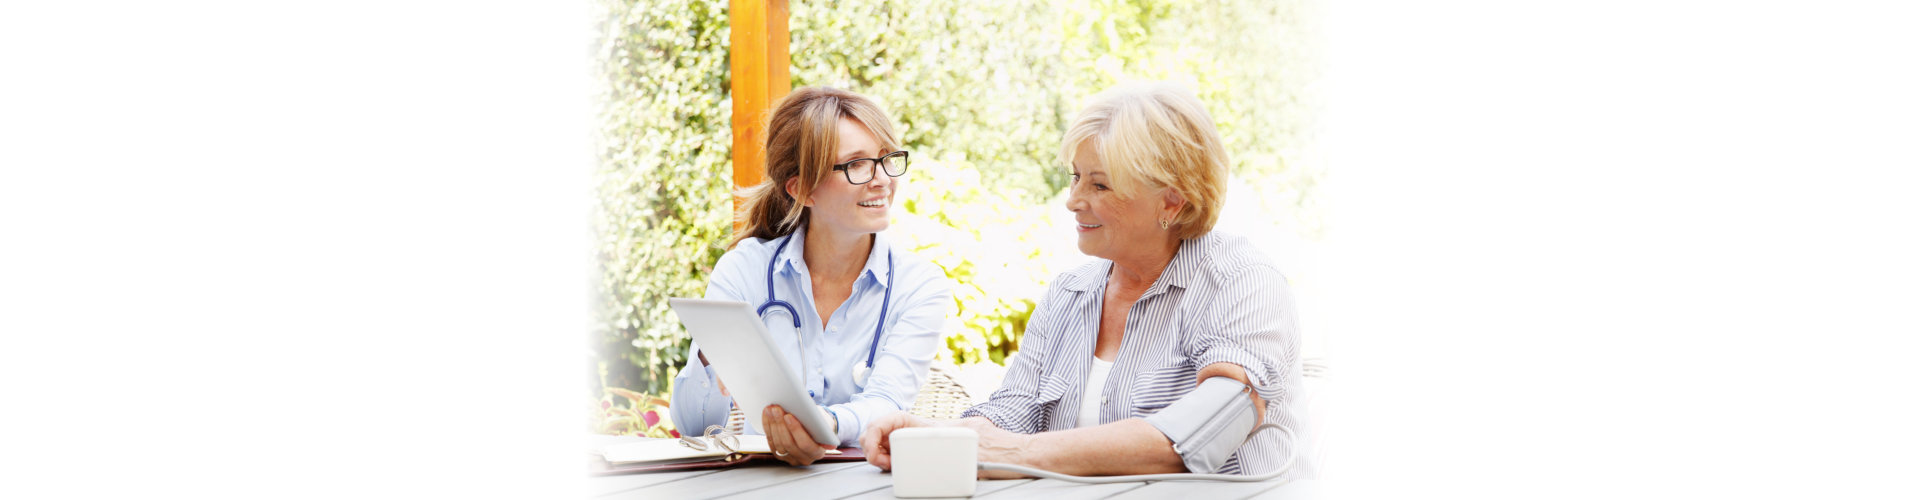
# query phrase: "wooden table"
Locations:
[[862, 481]]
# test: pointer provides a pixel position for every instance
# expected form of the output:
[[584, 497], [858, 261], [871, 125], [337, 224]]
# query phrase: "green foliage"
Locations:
[[986, 89], [664, 143], [1253, 63], [982, 91], [631, 414], [994, 250], [978, 83]]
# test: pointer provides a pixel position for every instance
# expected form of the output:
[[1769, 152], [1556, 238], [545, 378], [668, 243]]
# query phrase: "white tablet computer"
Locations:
[[742, 352]]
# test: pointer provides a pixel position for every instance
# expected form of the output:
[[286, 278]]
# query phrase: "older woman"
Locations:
[[1165, 304]]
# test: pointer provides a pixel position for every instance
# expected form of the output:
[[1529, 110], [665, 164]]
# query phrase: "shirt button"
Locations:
[[1103, 400]]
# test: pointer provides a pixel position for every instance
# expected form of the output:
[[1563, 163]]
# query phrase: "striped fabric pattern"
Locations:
[[1219, 300]]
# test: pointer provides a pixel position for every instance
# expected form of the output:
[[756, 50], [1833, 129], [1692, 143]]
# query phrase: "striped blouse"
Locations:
[[1219, 300]]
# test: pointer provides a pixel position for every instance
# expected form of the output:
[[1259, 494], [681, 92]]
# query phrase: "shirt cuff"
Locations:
[[697, 402], [1265, 379], [999, 415], [849, 423]]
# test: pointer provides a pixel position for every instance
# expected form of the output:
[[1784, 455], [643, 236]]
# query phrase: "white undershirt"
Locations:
[[1091, 399]]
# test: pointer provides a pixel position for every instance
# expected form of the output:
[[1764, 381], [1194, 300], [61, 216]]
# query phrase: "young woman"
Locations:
[[859, 317]]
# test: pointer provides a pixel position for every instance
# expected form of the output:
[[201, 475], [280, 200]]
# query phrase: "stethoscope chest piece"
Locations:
[[860, 372]]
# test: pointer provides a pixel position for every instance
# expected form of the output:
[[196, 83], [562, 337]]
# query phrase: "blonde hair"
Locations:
[[802, 139], [1156, 134]]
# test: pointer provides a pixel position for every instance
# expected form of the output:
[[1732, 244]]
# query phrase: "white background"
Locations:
[[340, 249], [1624, 249], [308, 250]]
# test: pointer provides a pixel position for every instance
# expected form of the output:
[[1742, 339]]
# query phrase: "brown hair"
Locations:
[[801, 142]]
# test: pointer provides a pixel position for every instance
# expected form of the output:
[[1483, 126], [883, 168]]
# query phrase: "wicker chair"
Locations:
[[1313, 371], [942, 397]]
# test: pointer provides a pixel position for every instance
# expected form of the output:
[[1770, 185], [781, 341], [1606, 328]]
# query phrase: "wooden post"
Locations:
[[758, 60]]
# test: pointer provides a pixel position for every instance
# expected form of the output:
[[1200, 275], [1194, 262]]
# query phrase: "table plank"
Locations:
[[1278, 488], [1054, 489], [840, 483], [1293, 489], [982, 487], [734, 480], [607, 485]]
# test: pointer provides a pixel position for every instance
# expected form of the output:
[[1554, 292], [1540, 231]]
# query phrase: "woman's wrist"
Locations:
[[1000, 446]]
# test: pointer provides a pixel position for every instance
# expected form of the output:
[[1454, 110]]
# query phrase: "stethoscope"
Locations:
[[773, 300]]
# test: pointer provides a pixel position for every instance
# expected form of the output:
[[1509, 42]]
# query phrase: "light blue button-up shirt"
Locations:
[[917, 319]]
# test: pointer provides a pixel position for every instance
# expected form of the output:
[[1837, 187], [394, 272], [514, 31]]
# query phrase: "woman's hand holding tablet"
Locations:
[[740, 349]]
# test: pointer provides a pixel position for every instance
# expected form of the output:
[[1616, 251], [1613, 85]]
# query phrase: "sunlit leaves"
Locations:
[[662, 210], [982, 92]]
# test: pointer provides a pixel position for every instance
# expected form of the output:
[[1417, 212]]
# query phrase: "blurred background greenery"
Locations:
[[982, 92]]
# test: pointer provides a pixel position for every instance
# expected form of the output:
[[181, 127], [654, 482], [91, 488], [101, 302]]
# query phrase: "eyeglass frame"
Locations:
[[905, 159]]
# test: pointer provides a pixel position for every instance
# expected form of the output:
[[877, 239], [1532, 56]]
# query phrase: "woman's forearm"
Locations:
[[1130, 446]]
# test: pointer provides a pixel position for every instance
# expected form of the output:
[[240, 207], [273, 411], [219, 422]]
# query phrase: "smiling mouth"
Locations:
[[1091, 226], [881, 203]]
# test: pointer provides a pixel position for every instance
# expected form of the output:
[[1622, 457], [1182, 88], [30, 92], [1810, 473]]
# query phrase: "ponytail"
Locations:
[[763, 213]]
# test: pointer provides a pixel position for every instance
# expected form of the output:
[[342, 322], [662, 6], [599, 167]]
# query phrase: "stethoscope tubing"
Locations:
[[773, 300]]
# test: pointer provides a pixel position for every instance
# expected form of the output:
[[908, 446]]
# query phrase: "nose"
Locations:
[[1074, 202]]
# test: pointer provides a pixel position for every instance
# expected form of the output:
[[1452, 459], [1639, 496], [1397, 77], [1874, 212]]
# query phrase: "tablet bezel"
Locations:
[[740, 349]]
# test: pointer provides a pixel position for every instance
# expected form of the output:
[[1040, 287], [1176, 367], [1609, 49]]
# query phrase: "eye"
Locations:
[[1076, 179], [1100, 187]]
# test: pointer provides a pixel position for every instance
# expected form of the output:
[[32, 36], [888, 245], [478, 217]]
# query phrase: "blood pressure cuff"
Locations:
[[1208, 424]]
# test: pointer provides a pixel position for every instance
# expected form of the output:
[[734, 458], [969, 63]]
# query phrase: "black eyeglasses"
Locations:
[[860, 171]]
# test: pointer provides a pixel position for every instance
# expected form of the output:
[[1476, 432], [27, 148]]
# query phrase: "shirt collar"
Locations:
[[1185, 265], [791, 259], [795, 256], [1180, 272], [877, 263], [1085, 277]]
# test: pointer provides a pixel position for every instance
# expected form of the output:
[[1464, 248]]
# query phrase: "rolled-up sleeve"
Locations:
[[1257, 330], [900, 366], [1015, 406], [697, 402]]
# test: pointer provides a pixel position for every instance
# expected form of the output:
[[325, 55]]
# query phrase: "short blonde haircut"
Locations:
[[1156, 134]]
